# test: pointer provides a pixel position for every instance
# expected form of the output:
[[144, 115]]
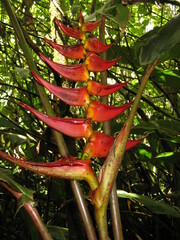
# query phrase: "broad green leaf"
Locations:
[[122, 16], [154, 206], [173, 53], [144, 127], [7, 177], [170, 127], [5, 123], [162, 41], [166, 77]]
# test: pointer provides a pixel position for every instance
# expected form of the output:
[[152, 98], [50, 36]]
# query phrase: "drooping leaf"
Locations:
[[152, 205], [166, 77], [5, 123], [168, 127], [161, 42], [7, 177]]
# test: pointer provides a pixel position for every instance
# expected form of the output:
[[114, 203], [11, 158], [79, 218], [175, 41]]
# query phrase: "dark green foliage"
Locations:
[[150, 173]]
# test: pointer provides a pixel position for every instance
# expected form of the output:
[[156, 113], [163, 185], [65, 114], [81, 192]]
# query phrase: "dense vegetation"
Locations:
[[148, 180]]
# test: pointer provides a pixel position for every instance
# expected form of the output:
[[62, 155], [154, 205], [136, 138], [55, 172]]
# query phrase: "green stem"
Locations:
[[47, 106], [114, 204], [115, 214], [111, 165]]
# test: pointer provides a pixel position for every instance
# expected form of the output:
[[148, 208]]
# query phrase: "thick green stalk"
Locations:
[[111, 165], [47, 106], [114, 205]]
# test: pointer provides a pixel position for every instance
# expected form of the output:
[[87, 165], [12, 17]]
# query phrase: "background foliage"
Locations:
[[150, 170]]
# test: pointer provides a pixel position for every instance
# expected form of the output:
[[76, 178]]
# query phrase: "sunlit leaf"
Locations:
[[166, 77], [154, 206], [157, 45]]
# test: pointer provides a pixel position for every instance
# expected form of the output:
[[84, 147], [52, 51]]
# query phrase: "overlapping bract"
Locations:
[[97, 144], [67, 168]]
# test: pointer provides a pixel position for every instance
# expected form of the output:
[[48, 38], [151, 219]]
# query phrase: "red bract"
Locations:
[[72, 52], [73, 127], [71, 96], [92, 44], [98, 89], [64, 168], [99, 112], [89, 26], [71, 32], [132, 143], [71, 72], [98, 145], [95, 64]]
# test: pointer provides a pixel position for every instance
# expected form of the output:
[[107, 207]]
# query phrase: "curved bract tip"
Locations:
[[89, 26], [99, 112], [98, 145], [95, 64], [72, 52], [71, 32], [92, 44], [73, 127], [66, 168], [77, 73], [71, 96], [98, 89]]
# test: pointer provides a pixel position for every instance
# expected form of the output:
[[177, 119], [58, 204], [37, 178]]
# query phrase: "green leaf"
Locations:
[[170, 127], [122, 16], [152, 205], [7, 177], [167, 127], [114, 11], [166, 77], [167, 157], [58, 233], [161, 42], [144, 127], [5, 123], [16, 139]]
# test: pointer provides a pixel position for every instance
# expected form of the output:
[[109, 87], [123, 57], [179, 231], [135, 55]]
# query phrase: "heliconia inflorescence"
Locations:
[[87, 50], [97, 143]]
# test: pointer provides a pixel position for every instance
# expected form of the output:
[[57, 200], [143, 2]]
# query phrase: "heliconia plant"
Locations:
[[98, 144]]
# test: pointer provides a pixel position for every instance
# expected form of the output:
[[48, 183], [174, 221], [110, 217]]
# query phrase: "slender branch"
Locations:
[[114, 205], [110, 168], [47, 106]]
